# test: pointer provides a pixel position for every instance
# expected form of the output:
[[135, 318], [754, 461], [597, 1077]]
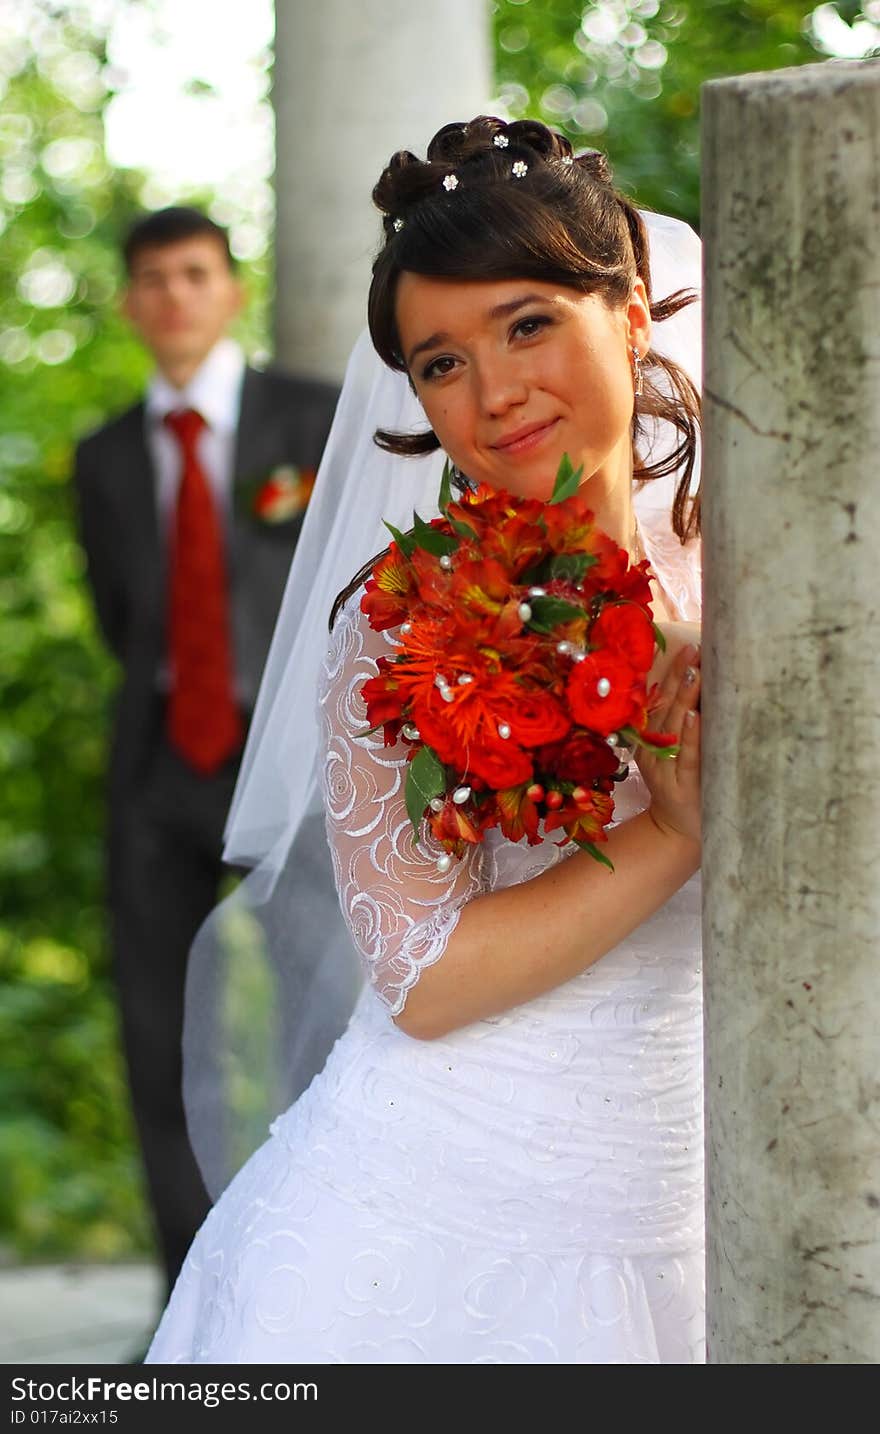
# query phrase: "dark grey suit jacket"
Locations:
[[283, 420]]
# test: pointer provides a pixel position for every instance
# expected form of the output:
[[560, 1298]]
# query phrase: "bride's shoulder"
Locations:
[[354, 646]]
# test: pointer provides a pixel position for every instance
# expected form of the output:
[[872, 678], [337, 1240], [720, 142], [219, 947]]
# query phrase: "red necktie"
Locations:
[[203, 721]]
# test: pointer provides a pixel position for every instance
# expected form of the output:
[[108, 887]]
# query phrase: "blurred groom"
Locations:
[[190, 505]]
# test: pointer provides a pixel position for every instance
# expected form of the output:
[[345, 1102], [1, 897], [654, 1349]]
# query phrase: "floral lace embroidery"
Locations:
[[400, 909]]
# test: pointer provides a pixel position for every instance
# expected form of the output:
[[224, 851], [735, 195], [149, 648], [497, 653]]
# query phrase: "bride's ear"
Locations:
[[638, 318]]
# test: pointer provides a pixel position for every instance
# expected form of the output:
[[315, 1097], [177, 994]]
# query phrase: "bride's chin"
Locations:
[[537, 483]]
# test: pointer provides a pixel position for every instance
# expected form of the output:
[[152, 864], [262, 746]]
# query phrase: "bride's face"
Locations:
[[513, 373]]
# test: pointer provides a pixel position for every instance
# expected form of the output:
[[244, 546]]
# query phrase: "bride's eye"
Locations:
[[438, 367], [532, 324]]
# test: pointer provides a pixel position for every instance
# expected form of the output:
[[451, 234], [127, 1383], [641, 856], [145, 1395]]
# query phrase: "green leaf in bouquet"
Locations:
[[595, 852], [548, 612], [571, 567], [445, 497], [425, 780], [659, 637], [405, 541], [464, 530], [431, 540], [568, 480], [540, 573]]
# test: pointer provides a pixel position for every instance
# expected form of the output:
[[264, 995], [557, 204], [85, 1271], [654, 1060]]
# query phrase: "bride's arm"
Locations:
[[498, 948], [514, 944]]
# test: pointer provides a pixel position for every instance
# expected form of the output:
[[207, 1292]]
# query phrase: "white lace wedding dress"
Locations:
[[528, 1190]]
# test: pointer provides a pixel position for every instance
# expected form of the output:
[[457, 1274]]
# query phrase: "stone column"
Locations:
[[353, 83], [791, 228]]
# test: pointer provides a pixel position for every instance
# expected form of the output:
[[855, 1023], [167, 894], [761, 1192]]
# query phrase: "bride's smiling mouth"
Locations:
[[524, 439]]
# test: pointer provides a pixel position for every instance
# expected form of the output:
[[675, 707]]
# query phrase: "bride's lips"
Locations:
[[523, 440]]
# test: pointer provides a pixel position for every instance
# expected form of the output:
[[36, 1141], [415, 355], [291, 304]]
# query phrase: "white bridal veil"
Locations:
[[273, 974]]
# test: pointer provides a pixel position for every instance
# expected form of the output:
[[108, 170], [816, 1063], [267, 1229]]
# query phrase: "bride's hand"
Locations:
[[674, 782], [676, 636]]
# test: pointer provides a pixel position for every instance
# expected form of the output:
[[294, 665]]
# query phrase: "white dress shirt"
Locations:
[[215, 392]]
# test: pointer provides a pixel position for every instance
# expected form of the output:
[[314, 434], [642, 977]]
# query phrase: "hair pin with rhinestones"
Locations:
[[501, 141], [397, 224], [520, 169], [450, 182], [567, 159]]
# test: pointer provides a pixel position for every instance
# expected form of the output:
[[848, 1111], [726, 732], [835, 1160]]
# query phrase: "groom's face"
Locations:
[[181, 298]]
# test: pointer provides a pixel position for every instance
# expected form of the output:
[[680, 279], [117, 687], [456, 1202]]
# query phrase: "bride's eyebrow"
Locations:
[[503, 311], [500, 311], [432, 343]]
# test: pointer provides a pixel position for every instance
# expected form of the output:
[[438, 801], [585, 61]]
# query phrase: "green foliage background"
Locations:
[[608, 63], [71, 1181], [71, 1176]]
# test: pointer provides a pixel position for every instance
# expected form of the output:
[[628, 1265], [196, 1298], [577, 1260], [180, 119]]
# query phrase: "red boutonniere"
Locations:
[[519, 681], [283, 495]]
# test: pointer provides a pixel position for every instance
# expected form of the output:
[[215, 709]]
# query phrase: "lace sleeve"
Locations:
[[400, 909]]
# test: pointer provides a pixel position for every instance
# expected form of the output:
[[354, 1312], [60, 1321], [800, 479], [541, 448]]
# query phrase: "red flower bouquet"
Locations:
[[525, 639]]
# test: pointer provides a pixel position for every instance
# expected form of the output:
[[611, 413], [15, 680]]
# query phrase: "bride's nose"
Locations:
[[499, 387]]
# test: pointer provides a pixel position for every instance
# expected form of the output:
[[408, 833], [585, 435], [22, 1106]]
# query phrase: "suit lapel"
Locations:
[[251, 424], [140, 492]]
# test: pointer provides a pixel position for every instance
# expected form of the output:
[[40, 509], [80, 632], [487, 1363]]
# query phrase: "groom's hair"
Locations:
[[169, 226]]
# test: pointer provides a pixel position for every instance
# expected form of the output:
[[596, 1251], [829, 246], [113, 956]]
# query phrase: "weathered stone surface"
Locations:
[[352, 84], [791, 663]]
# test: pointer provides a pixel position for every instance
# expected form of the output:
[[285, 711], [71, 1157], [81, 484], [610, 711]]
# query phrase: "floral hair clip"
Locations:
[[501, 141], [520, 169], [397, 224], [567, 159], [450, 182]]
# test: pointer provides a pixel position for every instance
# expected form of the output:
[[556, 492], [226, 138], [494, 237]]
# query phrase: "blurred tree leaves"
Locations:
[[67, 362], [71, 1177], [624, 76]]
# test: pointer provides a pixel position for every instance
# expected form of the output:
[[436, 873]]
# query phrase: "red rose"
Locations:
[[503, 766], [578, 758], [605, 693], [634, 584], [625, 629], [535, 718]]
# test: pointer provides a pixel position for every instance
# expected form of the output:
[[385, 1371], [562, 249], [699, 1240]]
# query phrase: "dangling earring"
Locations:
[[638, 381]]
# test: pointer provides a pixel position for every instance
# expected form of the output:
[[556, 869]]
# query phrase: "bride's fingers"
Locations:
[[676, 694], [688, 760]]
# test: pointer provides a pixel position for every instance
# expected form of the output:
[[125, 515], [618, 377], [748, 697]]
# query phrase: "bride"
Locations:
[[501, 1161]]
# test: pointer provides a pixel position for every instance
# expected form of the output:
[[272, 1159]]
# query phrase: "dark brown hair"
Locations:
[[169, 226], [563, 222]]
